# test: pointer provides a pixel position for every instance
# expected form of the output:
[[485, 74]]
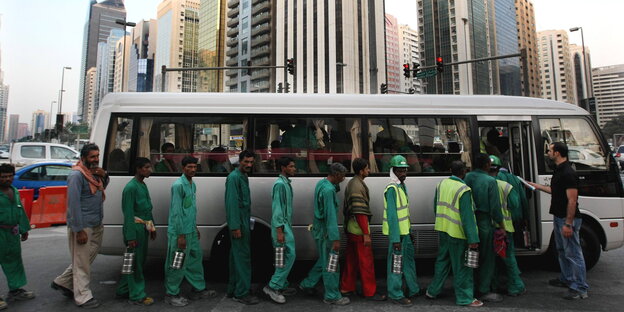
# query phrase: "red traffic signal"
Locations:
[[406, 70], [439, 64]]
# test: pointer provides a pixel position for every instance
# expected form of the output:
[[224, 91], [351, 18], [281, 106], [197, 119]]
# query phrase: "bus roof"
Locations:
[[355, 104]]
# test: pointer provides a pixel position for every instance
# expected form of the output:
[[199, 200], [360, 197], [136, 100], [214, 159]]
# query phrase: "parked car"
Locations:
[[619, 156], [585, 156], [27, 153], [4, 151], [42, 174]]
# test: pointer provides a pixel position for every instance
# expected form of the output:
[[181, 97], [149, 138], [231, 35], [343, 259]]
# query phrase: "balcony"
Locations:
[[260, 40], [254, 2], [260, 73], [260, 52], [233, 4], [232, 52], [232, 32], [232, 42], [232, 62], [231, 73], [231, 82], [262, 7], [259, 30], [233, 22], [260, 18], [232, 12]]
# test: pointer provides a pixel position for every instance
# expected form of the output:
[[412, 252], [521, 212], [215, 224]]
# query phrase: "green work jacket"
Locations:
[[12, 212], [183, 209], [135, 202], [325, 211], [466, 212], [485, 193], [237, 200], [521, 211], [281, 205]]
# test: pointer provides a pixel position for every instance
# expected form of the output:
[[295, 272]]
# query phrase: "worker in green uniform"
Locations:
[[488, 212], [457, 229], [281, 230], [238, 214], [183, 235], [14, 227], [136, 206], [510, 201], [396, 225], [519, 214], [326, 236]]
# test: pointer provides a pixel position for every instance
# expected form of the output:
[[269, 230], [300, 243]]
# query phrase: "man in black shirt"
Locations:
[[567, 223]]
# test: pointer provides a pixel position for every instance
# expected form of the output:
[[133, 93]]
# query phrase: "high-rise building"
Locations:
[[100, 21], [91, 93], [4, 104], [22, 130], [527, 39], [39, 121], [394, 59], [13, 127], [338, 46], [556, 69], [251, 40], [212, 44], [105, 71], [177, 44], [408, 39], [459, 30], [121, 62], [582, 74], [141, 63], [609, 92]]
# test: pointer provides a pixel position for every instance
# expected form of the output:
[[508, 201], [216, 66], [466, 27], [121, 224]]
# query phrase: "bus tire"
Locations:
[[590, 245]]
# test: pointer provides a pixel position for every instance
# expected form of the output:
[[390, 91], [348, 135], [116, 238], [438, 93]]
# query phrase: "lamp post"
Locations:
[[586, 93], [125, 24], [465, 20], [59, 126], [341, 66]]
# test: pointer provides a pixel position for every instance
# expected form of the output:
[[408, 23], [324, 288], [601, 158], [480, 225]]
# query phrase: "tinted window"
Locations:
[[584, 150], [55, 173], [33, 151], [33, 174]]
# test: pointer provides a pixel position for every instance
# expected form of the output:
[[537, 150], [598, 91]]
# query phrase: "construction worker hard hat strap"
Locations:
[[495, 160], [398, 161]]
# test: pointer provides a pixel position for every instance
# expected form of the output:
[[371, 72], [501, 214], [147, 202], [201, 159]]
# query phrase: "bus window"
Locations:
[[314, 143], [215, 141], [429, 144], [118, 145]]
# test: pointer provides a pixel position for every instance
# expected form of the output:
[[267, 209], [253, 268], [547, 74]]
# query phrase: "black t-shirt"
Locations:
[[563, 178]]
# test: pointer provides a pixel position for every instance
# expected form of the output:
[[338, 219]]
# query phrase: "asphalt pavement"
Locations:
[[46, 255]]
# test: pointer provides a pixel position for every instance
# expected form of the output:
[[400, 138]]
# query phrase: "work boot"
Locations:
[[341, 301], [20, 295], [3, 304], [176, 301], [248, 299], [274, 294], [202, 294]]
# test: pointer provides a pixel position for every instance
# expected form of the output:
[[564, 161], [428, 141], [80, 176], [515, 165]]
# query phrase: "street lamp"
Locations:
[[59, 126], [125, 24], [341, 66], [587, 86]]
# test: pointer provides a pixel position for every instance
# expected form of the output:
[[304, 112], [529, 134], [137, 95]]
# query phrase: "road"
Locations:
[[46, 255]]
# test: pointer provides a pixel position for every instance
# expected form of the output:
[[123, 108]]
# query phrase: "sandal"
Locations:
[[475, 303]]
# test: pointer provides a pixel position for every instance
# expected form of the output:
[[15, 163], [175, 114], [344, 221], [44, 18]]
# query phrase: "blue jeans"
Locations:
[[571, 259]]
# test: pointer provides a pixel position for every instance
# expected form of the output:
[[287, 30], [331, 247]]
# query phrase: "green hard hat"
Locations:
[[398, 161], [495, 160]]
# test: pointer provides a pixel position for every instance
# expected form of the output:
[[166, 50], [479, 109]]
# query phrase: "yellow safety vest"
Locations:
[[402, 211], [504, 189], [448, 216]]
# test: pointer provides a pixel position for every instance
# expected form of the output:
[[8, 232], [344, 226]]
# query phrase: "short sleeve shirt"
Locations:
[[564, 178]]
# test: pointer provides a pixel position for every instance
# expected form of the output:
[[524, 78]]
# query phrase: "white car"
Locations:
[[4, 155], [28, 153], [585, 156]]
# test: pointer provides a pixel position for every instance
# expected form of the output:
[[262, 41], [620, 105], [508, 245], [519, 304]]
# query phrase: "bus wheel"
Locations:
[[590, 245]]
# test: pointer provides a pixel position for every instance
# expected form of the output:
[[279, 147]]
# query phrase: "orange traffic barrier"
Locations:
[[50, 208], [26, 195]]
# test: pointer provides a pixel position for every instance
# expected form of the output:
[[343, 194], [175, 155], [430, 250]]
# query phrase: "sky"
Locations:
[[36, 46]]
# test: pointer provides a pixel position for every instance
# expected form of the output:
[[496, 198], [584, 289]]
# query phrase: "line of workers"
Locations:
[[473, 211]]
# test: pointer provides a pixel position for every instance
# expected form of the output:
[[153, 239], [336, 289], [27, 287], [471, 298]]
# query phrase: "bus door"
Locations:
[[510, 140]]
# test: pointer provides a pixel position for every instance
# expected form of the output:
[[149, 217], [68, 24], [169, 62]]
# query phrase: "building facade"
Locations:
[[527, 39], [100, 21], [609, 92], [13, 127], [39, 121], [582, 74], [4, 104], [105, 73], [22, 130], [142, 52], [177, 44], [408, 39], [556, 70], [212, 42], [394, 55]]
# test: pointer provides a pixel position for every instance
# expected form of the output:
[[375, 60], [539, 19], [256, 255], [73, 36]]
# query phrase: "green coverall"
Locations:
[[135, 202], [395, 281], [520, 212], [514, 282], [12, 213], [451, 253], [238, 213], [488, 213], [182, 221], [282, 217], [325, 232]]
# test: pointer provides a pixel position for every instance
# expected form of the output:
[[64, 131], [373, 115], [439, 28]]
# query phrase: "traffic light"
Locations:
[[411, 91], [280, 88], [415, 68], [384, 88], [290, 66], [439, 64], [287, 87], [406, 70]]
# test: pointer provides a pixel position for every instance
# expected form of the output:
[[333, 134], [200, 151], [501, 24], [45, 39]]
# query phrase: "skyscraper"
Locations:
[[177, 44], [408, 40], [556, 69], [609, 92], [581, 73], [39, 121], [100, 21], [4, 103], [141, 60], [527, 39], [13, 128], [212, 44], [394, 61], [105, 72]]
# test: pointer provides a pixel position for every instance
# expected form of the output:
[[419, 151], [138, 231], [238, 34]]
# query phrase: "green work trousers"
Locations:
[[451, 258], [11, 259], [395, 281], [192, 268], [487, 257], [510, 269], [331, 280], [133, 285], [239, 283], [279, 280]]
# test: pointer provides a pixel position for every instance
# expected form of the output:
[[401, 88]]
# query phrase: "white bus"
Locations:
[[316, 130]]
